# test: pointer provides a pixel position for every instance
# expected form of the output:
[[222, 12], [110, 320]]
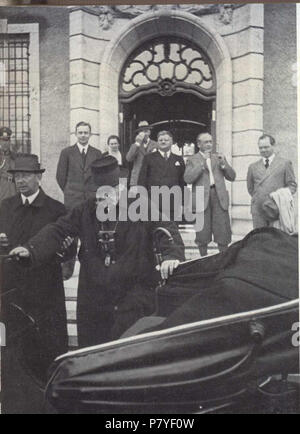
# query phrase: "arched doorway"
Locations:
[[169, 82], [147, 27]]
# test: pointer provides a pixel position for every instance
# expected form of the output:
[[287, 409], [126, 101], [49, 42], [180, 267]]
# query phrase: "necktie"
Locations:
[[26, 203], [267, 163], [166, 156], [83, 154]]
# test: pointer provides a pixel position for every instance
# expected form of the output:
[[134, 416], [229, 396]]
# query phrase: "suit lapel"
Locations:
[[143, 150], [89, 158], [164, 164], [214, 162], [202, 160], [151, 146], [77, 156], [271, 168]]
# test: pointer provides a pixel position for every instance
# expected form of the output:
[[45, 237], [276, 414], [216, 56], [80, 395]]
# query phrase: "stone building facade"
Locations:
[[86, 54]]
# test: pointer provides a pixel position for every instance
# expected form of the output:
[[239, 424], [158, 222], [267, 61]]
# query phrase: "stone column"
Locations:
[[87, 43], [245, 40]]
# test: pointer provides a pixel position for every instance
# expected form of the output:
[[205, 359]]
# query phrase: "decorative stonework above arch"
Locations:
[[107, 14]]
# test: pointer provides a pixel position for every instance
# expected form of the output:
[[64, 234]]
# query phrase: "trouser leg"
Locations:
[[204, 237], [203, 250], [222, 247], [220, 222]]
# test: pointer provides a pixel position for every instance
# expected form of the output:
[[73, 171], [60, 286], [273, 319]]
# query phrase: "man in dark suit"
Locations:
[[39, 291], [142, 146], [267, 175], [164, 169], [74, 175], [209, 171], [74, 168]]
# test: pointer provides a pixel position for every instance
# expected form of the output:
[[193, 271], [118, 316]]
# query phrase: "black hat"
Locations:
[[5, 133], [26, 163], [106, 171]]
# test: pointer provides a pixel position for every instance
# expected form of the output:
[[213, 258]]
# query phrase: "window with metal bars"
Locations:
[[15, 90]]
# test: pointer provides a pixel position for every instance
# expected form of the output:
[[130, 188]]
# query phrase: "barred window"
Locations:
[[15, 89]]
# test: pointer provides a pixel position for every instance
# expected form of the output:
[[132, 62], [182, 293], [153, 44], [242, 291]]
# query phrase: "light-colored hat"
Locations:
[[143, 125]]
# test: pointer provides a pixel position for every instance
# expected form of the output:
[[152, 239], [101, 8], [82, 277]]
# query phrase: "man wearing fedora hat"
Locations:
[[117, 275], [7, 157], [142, 146], [40, 291]]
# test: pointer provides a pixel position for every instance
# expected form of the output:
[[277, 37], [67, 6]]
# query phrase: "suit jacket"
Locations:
[[75, 178], [261, 181], [156, 171], [197, 174], [136, 156]]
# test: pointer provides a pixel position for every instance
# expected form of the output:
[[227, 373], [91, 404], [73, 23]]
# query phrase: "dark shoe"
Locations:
[[203, 250]]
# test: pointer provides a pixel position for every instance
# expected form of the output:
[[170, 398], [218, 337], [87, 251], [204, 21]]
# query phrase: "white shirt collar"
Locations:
[[270, 159], [30, 198], [80, 147], [164, 153]]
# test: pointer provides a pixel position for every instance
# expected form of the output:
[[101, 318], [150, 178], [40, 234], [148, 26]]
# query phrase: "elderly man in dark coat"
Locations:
[[40, 291], [117, 276]]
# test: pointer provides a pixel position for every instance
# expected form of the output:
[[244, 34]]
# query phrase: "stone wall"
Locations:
[[87, 44], [246, 45], [280, 91]]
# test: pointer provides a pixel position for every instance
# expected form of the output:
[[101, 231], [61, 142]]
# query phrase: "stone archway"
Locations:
[[161, 23]]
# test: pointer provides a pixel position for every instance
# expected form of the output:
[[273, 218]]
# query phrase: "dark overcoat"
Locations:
[[110, 299], [40, 291]]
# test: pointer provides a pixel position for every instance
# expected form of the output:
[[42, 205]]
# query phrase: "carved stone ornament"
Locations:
[[107, 14], [226, 13]]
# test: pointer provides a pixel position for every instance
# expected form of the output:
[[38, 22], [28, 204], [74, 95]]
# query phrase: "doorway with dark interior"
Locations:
[[184, 114]]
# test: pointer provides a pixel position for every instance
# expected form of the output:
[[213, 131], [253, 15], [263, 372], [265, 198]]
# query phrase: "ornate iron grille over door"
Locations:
[[166, 66], [14, 89]]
